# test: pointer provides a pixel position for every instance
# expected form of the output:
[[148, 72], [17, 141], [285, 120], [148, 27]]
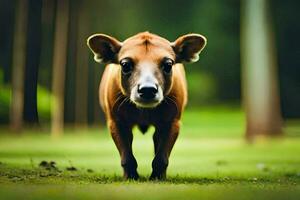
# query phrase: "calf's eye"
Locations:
[[167, 65], [127, 65]]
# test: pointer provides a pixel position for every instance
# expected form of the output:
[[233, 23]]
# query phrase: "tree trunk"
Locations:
[[7, 13], [32, 62], [98, 118], [82, 55], [259, 70], [71, 65], [59, 65], [19, 56]]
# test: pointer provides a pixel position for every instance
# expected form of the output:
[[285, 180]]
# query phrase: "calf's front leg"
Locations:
[[122, 136], [164, 139]]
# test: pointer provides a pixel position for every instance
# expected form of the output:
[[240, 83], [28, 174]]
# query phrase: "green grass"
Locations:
[[210, 161]]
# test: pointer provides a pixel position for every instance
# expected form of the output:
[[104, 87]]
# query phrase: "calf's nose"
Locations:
[[147, 91]]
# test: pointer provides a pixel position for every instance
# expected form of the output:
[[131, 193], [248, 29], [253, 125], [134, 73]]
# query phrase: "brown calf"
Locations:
[[144, 84]]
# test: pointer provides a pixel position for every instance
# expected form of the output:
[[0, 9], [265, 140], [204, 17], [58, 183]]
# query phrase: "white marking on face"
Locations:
[[147, 75], [146, 79]]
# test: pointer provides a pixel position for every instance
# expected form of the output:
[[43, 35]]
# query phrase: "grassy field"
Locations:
[[210, 161]]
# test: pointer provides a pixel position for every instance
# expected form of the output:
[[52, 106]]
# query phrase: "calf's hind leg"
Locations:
[[122, 136], [164, 139]]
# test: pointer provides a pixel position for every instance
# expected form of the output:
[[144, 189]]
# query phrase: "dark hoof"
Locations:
[[131, 176], [157, 176], [129, 165]]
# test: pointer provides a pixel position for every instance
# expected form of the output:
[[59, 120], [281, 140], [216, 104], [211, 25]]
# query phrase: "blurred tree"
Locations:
[[103, 22], [82, 67], [46, 61], [70, 89], [47, 40], [7, 12], [18, 64], [96, 113], [286, 17], [32, 62], [259, 65], [59, 65]]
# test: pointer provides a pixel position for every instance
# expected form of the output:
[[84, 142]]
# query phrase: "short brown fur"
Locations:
[[122, 114]]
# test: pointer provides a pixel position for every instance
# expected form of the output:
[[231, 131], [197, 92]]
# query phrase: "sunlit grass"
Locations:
[[210, 160]]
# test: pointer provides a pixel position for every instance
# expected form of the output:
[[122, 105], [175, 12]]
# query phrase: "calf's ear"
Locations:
[[188, 47], [104, 47]]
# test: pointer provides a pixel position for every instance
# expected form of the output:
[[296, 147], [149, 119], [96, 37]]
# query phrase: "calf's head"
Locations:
[[145, 62]]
